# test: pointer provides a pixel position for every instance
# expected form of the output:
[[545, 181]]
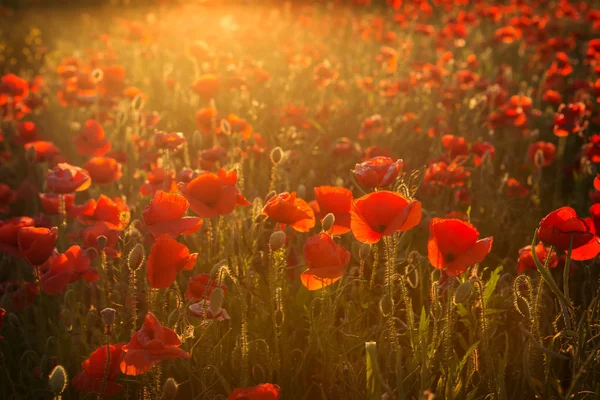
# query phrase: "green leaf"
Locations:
[[490, 286], [373, 384]]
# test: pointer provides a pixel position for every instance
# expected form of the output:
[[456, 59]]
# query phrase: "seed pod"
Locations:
[[58, 379], [31, 155], [301, 191], [136, 257], [108, 316], [277, 240], [463, 292], [364, 250], [96, 76], [169, 389], [328, 222], [101, 240], [276, 155], [197, 140]]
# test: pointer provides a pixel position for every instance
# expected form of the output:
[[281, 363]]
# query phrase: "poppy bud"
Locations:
[[31, 154], [276, 155], [169, 389], [50, 344], [197, 139], [328, 222], [216, 300], [539, 158], [58, 379], [136, 257], [413, 257], [215, 269], [138, 102], [463, 292], [66, 318], [96, 76], [301, 191], [13, 320], [277, 240], [364, 250], [101, 240], [225, 127], [108, 316]]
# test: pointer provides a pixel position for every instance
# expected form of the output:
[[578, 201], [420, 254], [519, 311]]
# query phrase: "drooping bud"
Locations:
[[58, 379], [216, 300], [169, 389], [301, 191], [31, 155], [102, 241], [328, 222], [276, 155], [277, 240], [108, 316], [364, 250], [463, 292], [136, 257]]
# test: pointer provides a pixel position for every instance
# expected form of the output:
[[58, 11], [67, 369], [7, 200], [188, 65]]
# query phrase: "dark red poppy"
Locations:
[[338, 201], [9, 233], [201, 287], [103, 170], [168, 141], [2, 313], [264, 391], [569, 119], [480, 149], [18, 295], [455, 145], [454, 245], [383, 213], [94, 368], [7, 197], [165, 212], [212, 194], [541, 154], [102, 228], [91, 140], [68, 267], [168, 257], [563, 225], [285, 208], [526, 262], [27, 132], [378, 171], [65, 178], [150, 345], [36, 244], [326, 261]]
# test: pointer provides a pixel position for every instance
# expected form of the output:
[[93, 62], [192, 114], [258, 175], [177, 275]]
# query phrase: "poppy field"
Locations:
[[300, 200]]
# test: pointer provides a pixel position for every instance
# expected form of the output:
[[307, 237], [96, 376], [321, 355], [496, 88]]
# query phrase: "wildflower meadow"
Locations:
[[334, 199]]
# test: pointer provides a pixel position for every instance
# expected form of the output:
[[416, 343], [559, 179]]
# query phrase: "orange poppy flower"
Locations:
[[91, 141], [91, 378], [206, 86], [103, 170], [287, 209], [264, 391], [383, 213], [65, 178], [212, 194], [150, 345], [562, 226], [37, 244], [62, 269], [201, 286], [168, 257], [206, 120], [378, 171], [44, 151], [454, 245], [165, 212], [338, 201], [326, 261], [526, 262], [168, 141]]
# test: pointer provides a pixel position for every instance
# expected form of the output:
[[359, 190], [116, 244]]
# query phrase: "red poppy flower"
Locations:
[[542, 154], [212, 194], [455, 145], [338, 201], [37, 244], [552, 96], [325, 260], [168, 257], [14, 87], [9, 233], [65, 178], [164, 214], [44, 151], [168, 141], [103, 170], [206, 120], [7, 197], [90, 379], [2, 313], [63, 269], [563, 225], [371, 126], [526, 262], [112, 211], [597, 182], [206, 86], [264, 391], [18, 295], [382, 213], [201, 286], [159, 179], [287, 209], [27, 131], [91, 140], [101, 228], [150, 345], [378, 171], [454, 245], [568, 119], [51, 202], [480, 149]]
